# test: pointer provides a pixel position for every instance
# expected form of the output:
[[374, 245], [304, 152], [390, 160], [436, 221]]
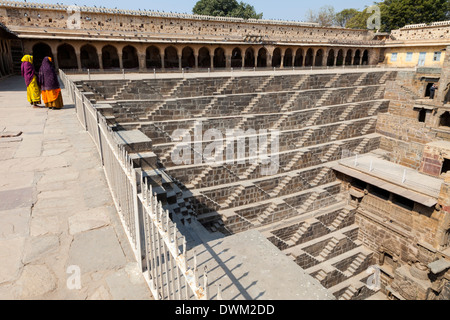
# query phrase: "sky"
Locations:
[[272, 9]]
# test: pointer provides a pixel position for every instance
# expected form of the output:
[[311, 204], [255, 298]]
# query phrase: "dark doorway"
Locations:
[[236, 58], [89, 57], [427, 90], [445, 166], [422, 115], [67, 59], [445, 120], [130, 58], [204, 58], [262, 58], [110, 58], [187, 58], [219, 58], [153, 58], [40, 51], [276, 58]]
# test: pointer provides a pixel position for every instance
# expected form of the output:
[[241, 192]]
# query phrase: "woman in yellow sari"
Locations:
[[48, 81], [33, 91]]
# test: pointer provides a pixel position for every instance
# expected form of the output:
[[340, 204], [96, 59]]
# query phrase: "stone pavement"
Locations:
[[57, 217]]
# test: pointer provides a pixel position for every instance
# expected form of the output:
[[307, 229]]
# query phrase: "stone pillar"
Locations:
[[293, 60], [78, 54], [335, 60], [180, 62], [212, 61], [228, 61], [142, 62], [162, 61], [100, 61], [269, 61], [243, 61], [282, 62], [120, 60], [196, 61]]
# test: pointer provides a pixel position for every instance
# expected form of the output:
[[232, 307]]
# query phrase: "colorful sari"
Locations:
[[48, 80], [33, 91]]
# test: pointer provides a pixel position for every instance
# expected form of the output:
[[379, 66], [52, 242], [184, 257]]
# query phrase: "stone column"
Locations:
[[120, 60], [100, 61], [162, 61], [180, 62], [228, 61], [269, 60], [78, 54], [196, 61], [243, 61], [142, 62], [282, 61], [212, 61], [293, 60]]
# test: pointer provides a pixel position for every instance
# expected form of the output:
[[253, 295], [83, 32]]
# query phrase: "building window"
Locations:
[[409, 56], [437, 56], [394, 57]]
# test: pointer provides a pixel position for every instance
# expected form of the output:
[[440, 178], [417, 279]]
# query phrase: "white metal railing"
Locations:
[[159, 247]]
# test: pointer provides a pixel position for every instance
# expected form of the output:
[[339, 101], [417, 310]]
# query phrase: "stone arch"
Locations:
[[348, 57], [365, 58], [89, 57], [130, 57], [340, 58], [276, 58], [187, 58], [262, 58], [357, 59], [236, 58], [298, 58], [288, 56], [153, 58], [219, 58], [110, 58], [40, 51], [309, 58], [171, 58], [319, 58], [249, 58], [204, 58], [67, 58], [330, 59]]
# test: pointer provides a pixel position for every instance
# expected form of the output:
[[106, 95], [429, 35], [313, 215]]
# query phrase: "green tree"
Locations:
[[359, 20], [226, 8], [344, 16], [396, 14]]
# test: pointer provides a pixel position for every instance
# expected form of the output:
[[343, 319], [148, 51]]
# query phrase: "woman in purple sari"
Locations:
[[33, 92], [48, 81]]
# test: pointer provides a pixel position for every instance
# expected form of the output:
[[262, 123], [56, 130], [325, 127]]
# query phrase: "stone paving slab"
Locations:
[[56, 211]]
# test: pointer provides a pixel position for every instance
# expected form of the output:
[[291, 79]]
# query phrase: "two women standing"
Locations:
[[47, 81]]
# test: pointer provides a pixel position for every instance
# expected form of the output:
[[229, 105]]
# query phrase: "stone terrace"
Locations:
[[301, 208]]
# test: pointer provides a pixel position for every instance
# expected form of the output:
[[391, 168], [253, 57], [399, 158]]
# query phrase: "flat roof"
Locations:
[[394, 178]]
